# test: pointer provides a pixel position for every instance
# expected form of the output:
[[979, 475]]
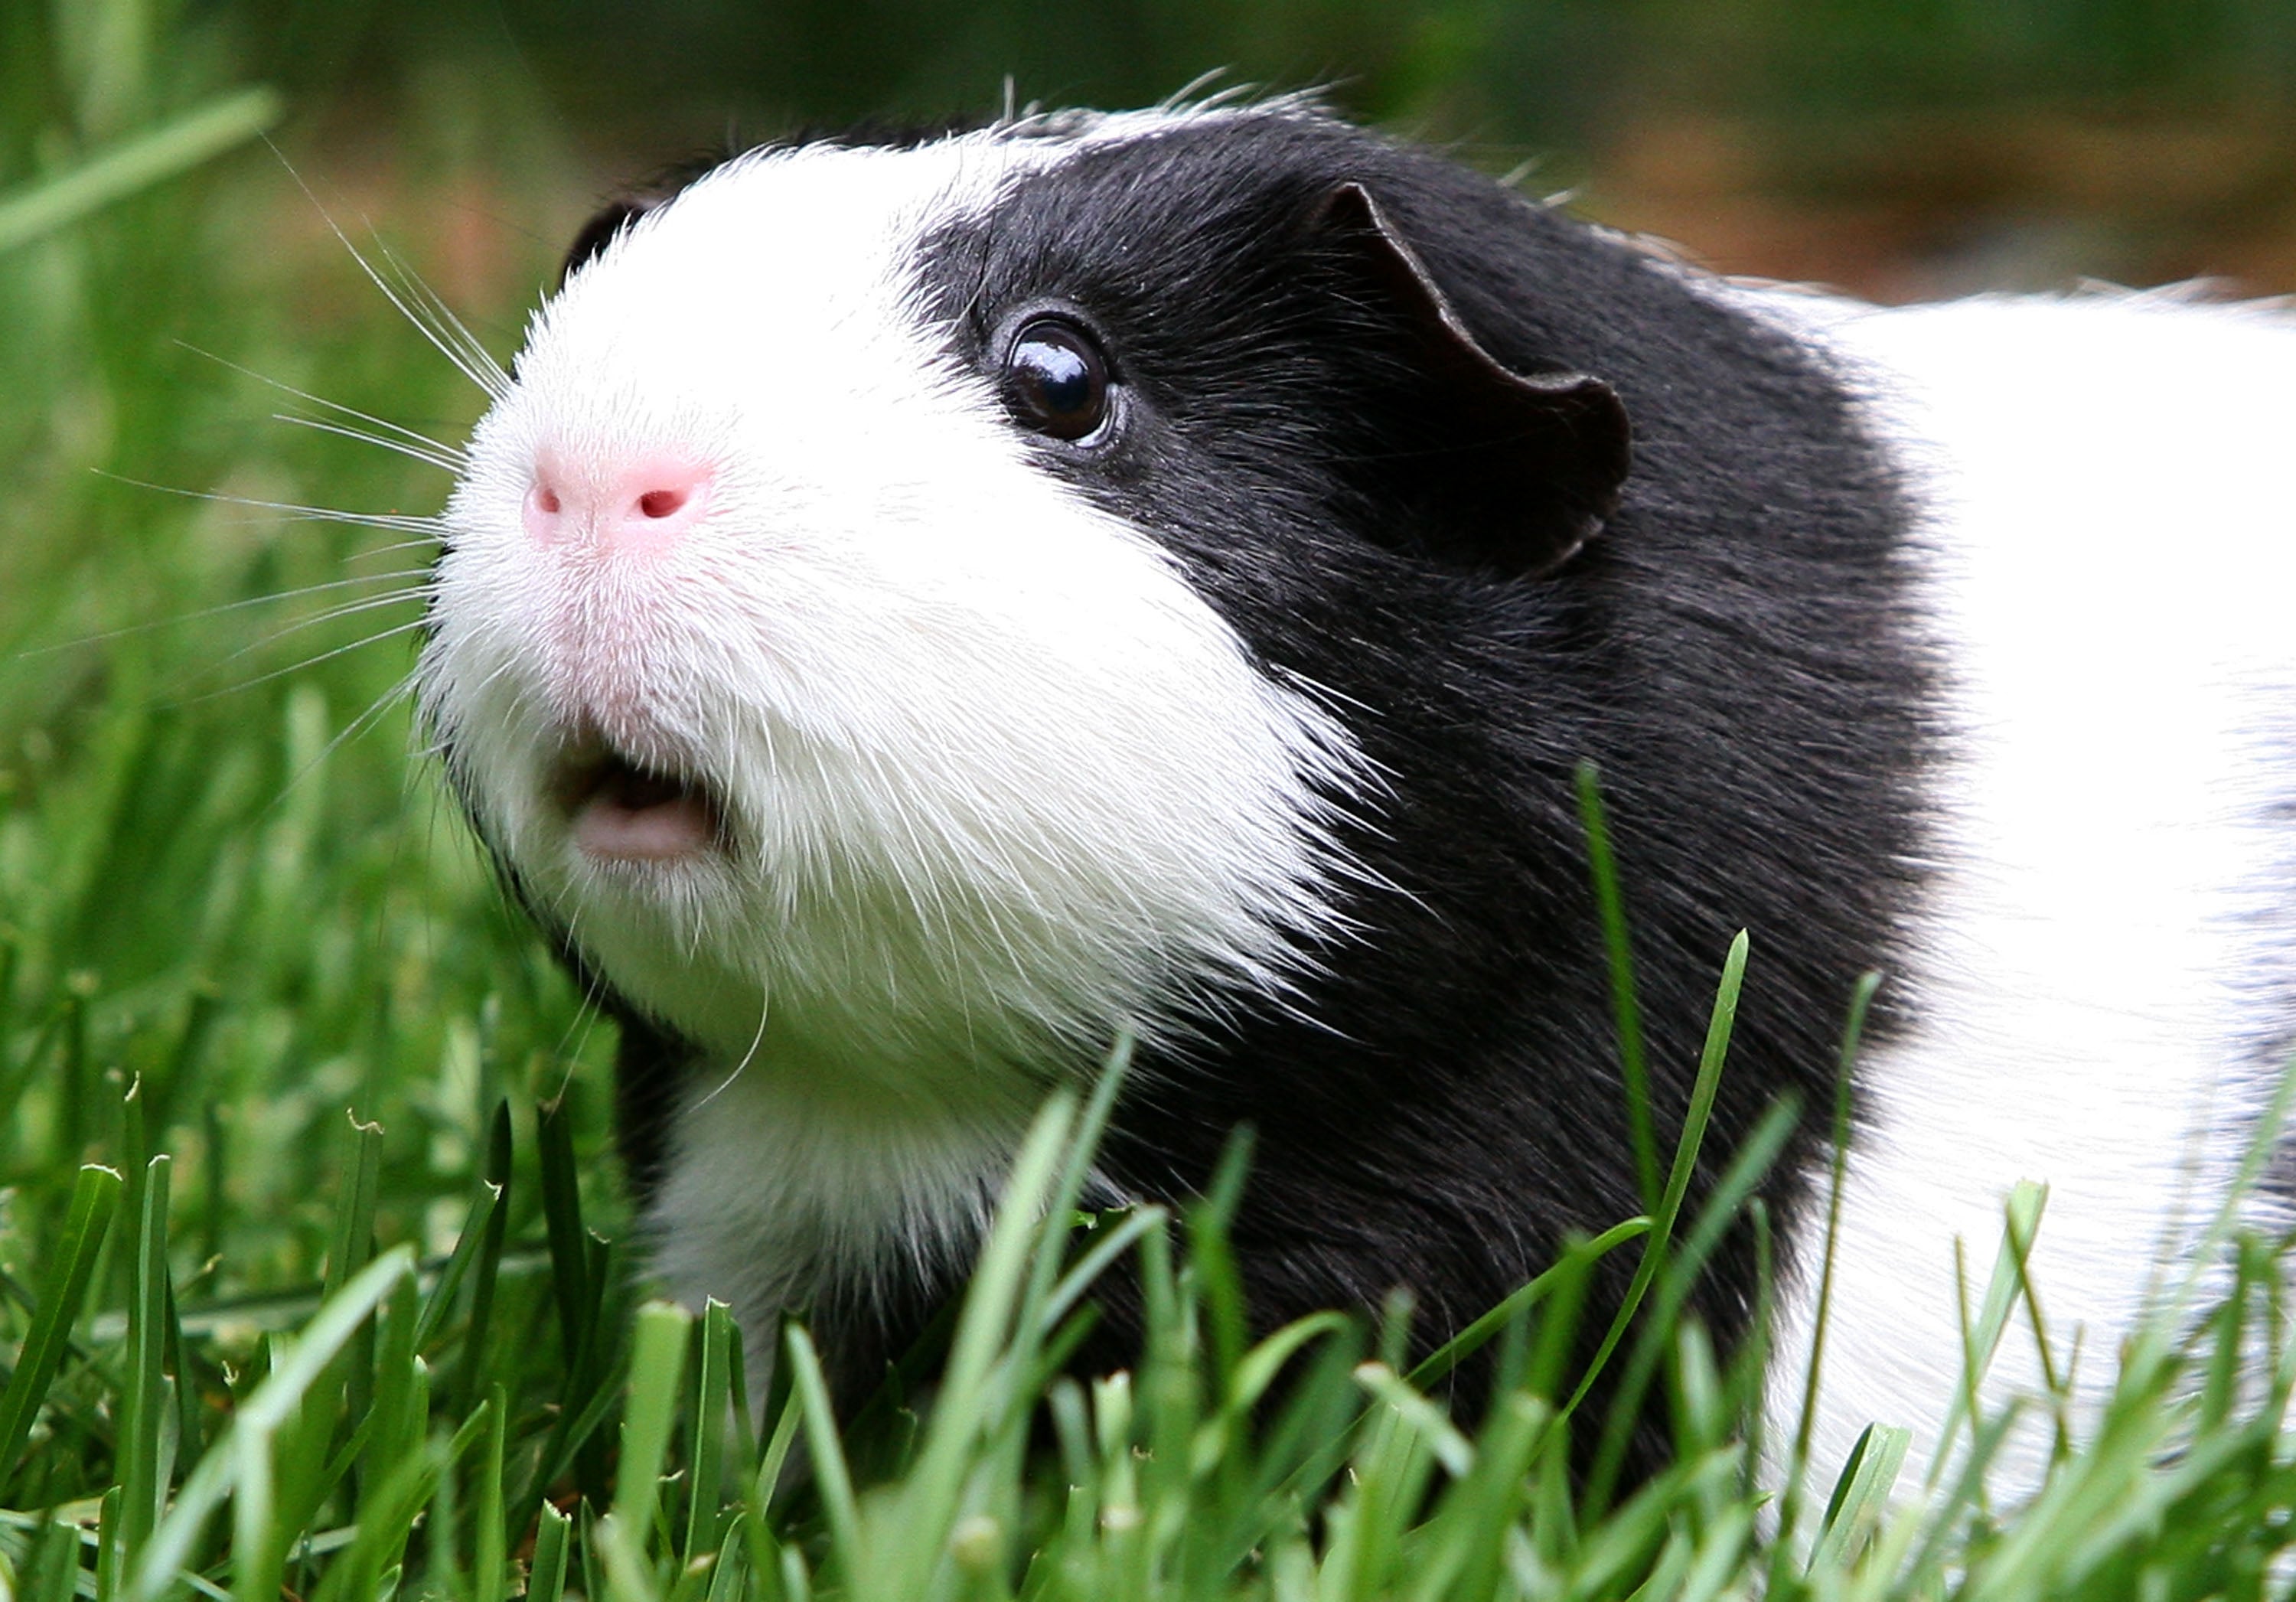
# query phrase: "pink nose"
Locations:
[[644, 506]]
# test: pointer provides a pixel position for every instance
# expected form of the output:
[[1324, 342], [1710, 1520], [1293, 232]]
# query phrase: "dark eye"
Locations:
[[1057, 380]]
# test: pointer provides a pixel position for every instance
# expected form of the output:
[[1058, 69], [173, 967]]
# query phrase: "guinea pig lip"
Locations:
[[617, 810]]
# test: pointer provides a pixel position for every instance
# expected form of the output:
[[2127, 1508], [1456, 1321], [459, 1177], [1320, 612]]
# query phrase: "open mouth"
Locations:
[[622, 812]]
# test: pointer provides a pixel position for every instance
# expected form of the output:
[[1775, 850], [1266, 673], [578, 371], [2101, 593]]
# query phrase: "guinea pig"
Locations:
[[922, 609]]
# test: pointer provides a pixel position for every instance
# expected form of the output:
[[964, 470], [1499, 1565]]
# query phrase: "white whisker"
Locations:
[[438, 324], [371, 552], [225, 608], [307, 664], [427, 457], [374, 711], [413, 437], [332, 614], [473, 363], [392, 522], [765, 1010]]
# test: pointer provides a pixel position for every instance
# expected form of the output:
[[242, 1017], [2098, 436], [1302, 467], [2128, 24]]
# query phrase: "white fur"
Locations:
[[999, 783], [2110, 563]]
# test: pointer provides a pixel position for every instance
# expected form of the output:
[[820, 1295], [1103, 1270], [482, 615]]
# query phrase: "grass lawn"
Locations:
[[312, 1262]]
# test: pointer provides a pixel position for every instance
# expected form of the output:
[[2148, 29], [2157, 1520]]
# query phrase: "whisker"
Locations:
[[765, 1011], [422, 306], [411, 435], [396, 546], [376, 710], [307, 664], [350, 609], [444, 318], [225, 608], [333, 615], [477, 367], [483, 371], [394, 522], [576, 1036], [427, 457]]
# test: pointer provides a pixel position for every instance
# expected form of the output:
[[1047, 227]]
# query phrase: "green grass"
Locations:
[[312, 1269]]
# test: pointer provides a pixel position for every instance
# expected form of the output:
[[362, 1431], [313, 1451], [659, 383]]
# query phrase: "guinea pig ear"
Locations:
[[599, 231], [1524, 467]]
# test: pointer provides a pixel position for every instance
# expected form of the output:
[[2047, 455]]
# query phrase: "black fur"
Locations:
[[1441, 1105]]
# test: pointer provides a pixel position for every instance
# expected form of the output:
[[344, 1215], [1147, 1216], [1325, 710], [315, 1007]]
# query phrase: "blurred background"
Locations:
[[219, 868], [1901, 147]]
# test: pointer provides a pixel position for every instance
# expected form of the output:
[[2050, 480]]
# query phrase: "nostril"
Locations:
[[543, 505], [660, 499], [644, 504]]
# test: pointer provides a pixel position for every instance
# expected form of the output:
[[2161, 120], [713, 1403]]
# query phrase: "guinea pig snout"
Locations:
[[640, 508]]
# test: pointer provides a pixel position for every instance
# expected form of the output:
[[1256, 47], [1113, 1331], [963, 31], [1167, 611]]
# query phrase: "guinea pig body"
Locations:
[[922, 611]]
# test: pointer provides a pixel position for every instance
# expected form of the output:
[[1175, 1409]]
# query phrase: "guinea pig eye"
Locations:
[[1057, 380]]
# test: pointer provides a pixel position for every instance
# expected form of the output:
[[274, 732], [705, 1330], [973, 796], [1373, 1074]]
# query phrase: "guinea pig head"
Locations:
[[838, 640]]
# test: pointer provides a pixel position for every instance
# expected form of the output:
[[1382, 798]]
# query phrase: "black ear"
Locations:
[[633, 203], [599, 231], [1515, 470]]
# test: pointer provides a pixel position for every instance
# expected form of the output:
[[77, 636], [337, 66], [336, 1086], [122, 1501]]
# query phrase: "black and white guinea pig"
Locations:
[[922, 608]]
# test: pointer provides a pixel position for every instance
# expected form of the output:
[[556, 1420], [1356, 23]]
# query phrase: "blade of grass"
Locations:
[[931, 1499], [1981, 1337], [810, 1391], [378, 1549], [1111, 1245], [353, 1249], [397, 1428], [1862, 1495], [726, 1571], [468, 1245], [135, 164], [107, 1546], [239, 1461], [713, 1407], [144, 1400], [1748, 1167], [354, 1235], [657, 1365], [1685, 1163], [1861, 1001], [490, 1556], [494, 1193], [593, 1570], [96, 1197], [189, 1441], [1439, 1362], [775, 1460], [545, 1578], [562, 1213], [1612, 906], [1076, 1170]]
